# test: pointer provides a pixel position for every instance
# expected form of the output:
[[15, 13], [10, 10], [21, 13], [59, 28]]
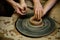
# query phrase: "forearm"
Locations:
[[11, 2], [48, 5]]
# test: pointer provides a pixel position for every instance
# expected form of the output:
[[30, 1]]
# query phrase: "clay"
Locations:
[[35, 22]]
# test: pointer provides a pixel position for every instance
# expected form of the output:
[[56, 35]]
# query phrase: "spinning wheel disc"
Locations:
[[27, 29]]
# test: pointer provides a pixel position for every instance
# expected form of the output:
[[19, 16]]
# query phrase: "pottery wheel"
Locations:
[[27, 29]]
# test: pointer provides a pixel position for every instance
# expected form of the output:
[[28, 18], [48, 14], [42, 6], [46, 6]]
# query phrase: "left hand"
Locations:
[[24, 6]]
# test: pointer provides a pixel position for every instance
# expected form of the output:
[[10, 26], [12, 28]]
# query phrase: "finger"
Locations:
[[38, 15], [34, 16], [21, 11], [34, 13], [25, 9], [18, 11], [41, 13], [19, 6]]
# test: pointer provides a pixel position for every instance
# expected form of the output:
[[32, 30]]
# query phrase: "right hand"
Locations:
[[38, 10]]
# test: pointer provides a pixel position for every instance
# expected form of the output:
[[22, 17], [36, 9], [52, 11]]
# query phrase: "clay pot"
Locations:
[[35, 22]]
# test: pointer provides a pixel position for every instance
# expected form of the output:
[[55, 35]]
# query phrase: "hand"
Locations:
[[38, 9], [16, 6], [24, 6]]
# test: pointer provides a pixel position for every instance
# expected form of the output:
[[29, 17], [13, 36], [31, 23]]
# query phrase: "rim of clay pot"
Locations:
[[34, 22]]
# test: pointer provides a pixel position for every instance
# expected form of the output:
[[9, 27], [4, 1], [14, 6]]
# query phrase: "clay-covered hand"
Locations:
[[24, 6], [38, 10], [17, 7]]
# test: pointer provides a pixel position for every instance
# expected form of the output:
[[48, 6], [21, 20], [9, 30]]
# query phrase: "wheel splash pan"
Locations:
[[25, 28]]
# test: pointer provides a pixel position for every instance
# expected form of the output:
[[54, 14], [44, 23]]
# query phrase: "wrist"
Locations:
[[36, 2], [22, 1]]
